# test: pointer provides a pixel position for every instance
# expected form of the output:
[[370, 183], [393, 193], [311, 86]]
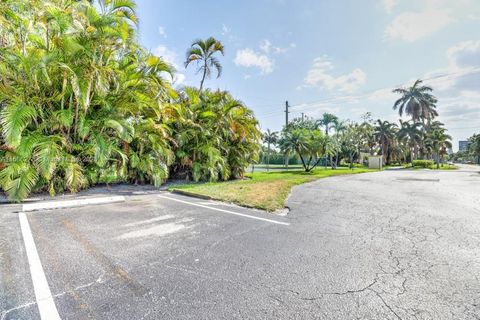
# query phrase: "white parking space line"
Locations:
[[43, 296], [70, 203], [226, 211]]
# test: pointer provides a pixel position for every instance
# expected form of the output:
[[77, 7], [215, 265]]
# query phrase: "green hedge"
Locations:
[[278, 159], [423, 163]]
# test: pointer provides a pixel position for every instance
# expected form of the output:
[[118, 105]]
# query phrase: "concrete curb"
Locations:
[[70, 203], [191, 194]]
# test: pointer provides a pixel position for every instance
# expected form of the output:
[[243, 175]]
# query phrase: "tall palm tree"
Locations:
[[327, 121], [416, 102], [270, 138], [412, 135], [385, 133], [202, 52]]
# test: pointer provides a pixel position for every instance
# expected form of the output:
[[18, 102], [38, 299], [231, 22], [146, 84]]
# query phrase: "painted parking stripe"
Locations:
[[227, 211], [70, 203], [43, 296]]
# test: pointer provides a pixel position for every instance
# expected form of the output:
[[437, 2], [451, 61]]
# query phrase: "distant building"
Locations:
[[463, 145]]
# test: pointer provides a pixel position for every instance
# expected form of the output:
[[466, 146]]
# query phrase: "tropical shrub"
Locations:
[[309, 145], [279, 158], [423, 163], [82, 103], [217, 137]]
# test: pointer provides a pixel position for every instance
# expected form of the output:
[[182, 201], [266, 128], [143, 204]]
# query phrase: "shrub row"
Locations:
[[423, 163]]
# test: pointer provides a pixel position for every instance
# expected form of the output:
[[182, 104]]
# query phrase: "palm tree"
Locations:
[[202, 52], [385, 134], [340, 127], [417, 102], [474, 147], [81, 102], [309, 145], [269, 137], [411, 134], [217, 137], [439, 142], [328, 121]]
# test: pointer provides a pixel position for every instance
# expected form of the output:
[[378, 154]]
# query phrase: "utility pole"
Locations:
[[286, 113], [286, 125]]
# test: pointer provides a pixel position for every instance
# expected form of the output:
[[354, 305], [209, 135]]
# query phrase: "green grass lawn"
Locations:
[[434, 167], [277, 166], [262, 190]]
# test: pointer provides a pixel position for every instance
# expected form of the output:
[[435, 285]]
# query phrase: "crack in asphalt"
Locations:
[[349, 292], [341, 293], [100, 279]]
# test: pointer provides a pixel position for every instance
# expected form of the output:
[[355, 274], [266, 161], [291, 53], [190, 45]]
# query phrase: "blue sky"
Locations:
[[333, 56]]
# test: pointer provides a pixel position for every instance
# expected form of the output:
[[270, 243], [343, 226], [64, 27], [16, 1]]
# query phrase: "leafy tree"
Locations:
[[474, 146], [202, 52], [353, 140]]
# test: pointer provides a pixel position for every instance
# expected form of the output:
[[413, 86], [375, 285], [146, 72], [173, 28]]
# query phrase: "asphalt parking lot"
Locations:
[[118, 261], [389, 245]]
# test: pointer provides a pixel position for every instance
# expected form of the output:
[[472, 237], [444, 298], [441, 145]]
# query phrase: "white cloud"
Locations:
[[315, 110], [320, 76], [249, 58], [280, 50], [171, 58], [411, 26], [381, 95], [389, 5], [162, 32], [464, 54], [462, 72], [225, 29], [167, 54], [265, 46], [456, 87]]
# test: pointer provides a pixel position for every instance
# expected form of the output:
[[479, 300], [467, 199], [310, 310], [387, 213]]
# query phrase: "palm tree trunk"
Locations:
[[303, 162], [204, 75], [268, 157]]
